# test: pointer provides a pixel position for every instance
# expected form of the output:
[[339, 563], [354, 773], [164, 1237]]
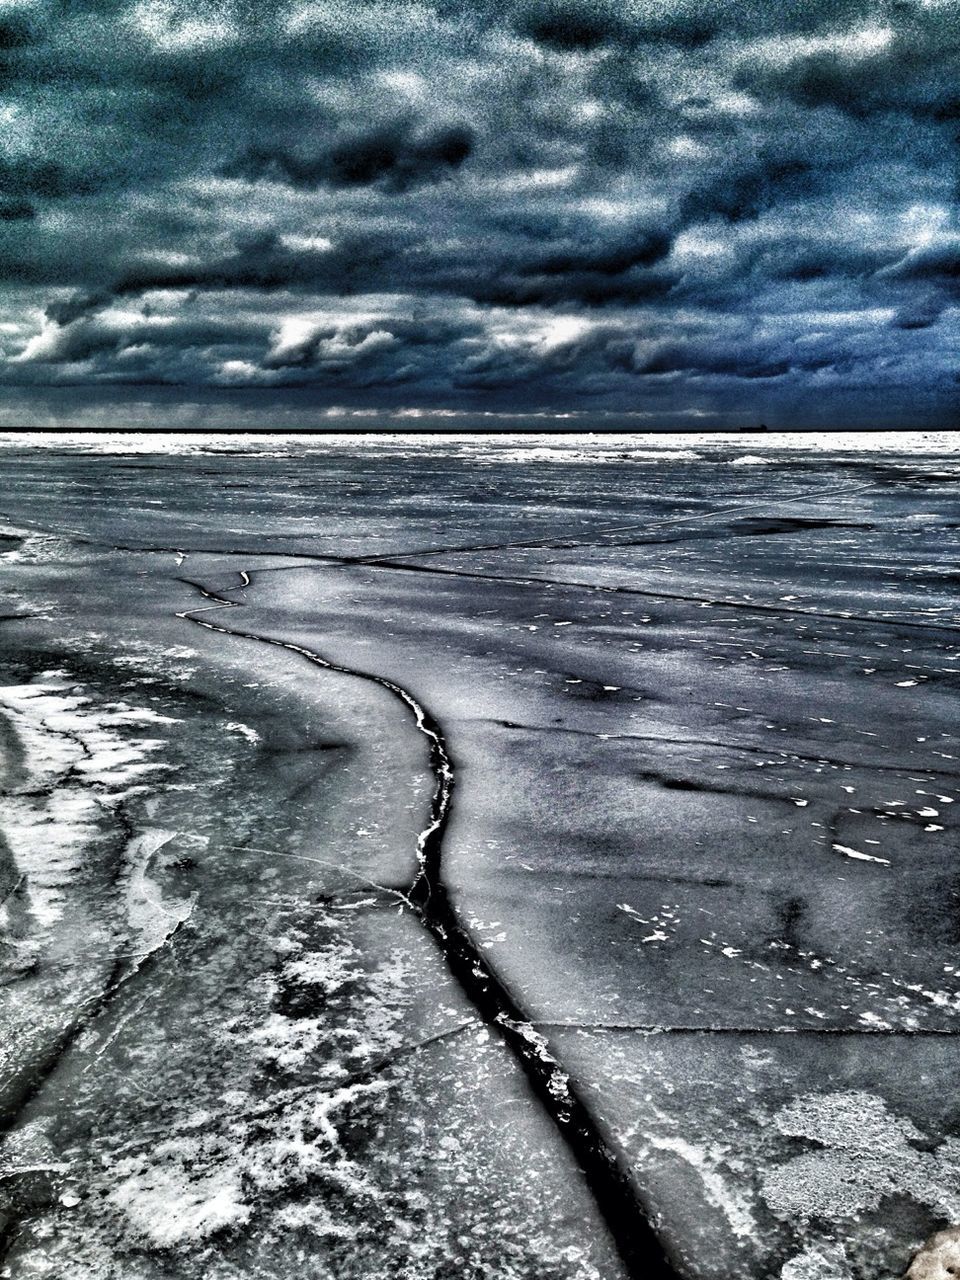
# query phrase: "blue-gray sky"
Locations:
[[646, 212]]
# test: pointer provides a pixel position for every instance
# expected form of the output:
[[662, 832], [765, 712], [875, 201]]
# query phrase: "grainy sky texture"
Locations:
[[646, 212]]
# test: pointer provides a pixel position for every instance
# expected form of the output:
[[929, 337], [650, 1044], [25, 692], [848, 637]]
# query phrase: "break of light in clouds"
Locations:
[[644, 211]]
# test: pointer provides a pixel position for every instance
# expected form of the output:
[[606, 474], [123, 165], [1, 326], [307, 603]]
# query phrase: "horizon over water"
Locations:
[[498, 446]]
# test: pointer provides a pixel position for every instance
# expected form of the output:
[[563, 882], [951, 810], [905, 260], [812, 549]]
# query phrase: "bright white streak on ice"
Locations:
[[862, 857]]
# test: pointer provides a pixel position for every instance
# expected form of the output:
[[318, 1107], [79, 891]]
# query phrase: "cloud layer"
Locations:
[[683, 210]]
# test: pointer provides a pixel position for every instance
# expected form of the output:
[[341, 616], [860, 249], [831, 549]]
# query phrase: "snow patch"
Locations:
[[251, 735], [863, 1155], [167, 1205], [862, 857], [79, 758], [825, 1262], [718, 1193]]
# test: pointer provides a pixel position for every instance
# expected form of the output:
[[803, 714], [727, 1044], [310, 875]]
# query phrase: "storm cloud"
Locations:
[[690, 213]]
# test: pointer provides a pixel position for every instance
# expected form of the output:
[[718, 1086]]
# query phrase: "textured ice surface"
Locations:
[[229, 1054], [702, 718]]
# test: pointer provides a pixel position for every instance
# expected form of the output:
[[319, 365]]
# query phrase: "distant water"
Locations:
[[741, 449]]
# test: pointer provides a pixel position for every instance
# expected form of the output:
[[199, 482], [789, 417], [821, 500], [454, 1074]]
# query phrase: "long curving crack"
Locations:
[[616, 1194], [395, 564]]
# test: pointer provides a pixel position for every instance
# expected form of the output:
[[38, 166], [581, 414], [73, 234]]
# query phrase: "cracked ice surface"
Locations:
[[701, 709], [233, 1051]]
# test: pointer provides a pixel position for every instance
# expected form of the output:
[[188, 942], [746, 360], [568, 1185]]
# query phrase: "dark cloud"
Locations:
[[940, 263], [395, 157], [671, 206], [566, 25], [764, 183], [907, 64], [715, 358], [14, 210]]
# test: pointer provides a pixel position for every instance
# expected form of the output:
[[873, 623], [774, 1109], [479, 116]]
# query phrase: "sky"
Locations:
[[682, 214]]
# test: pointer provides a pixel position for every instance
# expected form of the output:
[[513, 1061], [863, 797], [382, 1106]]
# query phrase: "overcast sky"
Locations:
[[641, 212]]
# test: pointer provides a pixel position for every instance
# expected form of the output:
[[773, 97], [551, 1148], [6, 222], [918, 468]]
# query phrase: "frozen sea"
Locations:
[[487, 857]]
